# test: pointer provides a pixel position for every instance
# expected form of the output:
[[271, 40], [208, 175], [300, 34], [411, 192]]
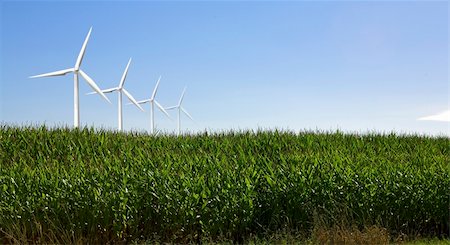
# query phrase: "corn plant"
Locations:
[[111, 186]]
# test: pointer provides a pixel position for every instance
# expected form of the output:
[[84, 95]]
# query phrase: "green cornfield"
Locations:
[[60, 184]]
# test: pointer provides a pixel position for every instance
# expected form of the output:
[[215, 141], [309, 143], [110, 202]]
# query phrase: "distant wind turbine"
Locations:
[[152, 102], [180, 109], [76, 70], [121, 90]]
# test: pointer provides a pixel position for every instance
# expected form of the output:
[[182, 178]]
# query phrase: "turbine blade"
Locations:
[[93, 85], [162, 109], [182, 96], [130, 97], [105, 91], [156, 88], [55, 73], [142, 101], [83, 49], [187, 114], [171, 107], [124, 76]]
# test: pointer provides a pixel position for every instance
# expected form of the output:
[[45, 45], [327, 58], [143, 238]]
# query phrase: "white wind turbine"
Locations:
[[76, 70], [121, 90], [152, 103], [180, 109]]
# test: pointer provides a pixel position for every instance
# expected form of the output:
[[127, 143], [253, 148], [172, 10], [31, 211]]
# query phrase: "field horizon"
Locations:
[[214, 131]]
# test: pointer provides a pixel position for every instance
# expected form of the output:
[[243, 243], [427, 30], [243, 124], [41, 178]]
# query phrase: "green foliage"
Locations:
[[120, 186]]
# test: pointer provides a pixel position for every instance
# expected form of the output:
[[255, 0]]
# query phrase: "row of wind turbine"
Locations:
[[120, 90]]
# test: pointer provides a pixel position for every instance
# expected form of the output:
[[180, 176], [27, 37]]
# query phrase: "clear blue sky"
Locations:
[[354, 66]]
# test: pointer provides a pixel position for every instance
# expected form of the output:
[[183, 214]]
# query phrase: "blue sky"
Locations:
[[349, 65]]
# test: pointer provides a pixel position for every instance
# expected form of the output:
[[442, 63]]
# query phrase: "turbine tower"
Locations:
[[180, 109], [77, 71], [121, 90], [153, 101]]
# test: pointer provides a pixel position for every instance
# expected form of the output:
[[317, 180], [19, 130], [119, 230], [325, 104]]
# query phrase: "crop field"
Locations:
[[70, 185]]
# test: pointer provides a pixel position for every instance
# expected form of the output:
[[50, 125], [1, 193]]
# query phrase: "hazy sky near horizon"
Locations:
[[350, 65]]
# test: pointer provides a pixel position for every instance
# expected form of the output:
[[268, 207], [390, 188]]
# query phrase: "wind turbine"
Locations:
[[180, 109], [121, 90], [152, 103], [77, 71]]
